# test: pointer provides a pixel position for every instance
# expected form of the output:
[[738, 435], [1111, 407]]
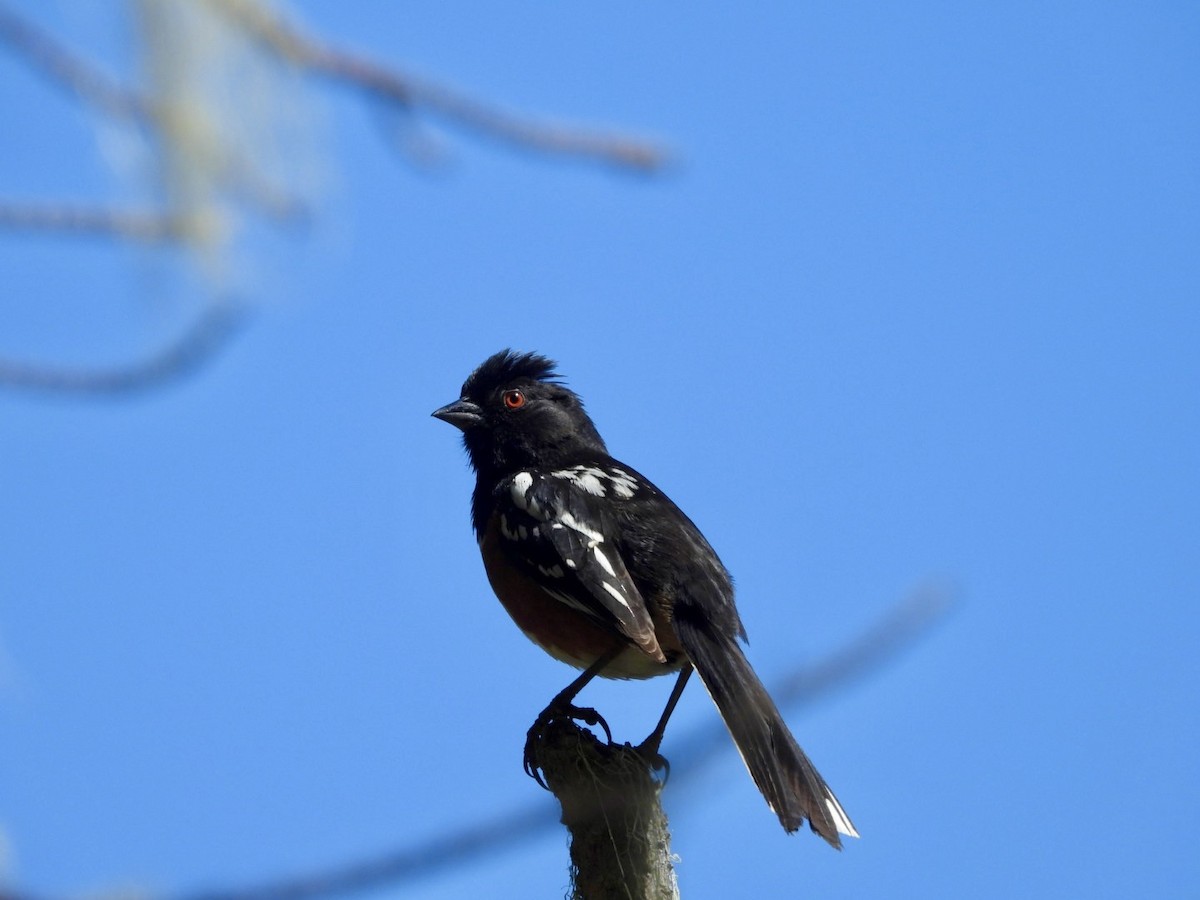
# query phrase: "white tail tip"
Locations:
[[840, 820]]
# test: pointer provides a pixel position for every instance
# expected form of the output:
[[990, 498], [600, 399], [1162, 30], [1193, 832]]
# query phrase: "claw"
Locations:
[[531, 767], [593, 718], [655, 760], [537, 732]]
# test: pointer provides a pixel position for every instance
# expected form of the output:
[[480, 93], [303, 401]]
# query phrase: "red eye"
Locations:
[[513, 399]]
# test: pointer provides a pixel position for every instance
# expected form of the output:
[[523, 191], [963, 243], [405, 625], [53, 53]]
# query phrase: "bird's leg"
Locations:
[[563, 707], [649, 747]]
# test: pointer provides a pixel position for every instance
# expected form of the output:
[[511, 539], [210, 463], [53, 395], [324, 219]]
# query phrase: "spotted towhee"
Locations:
[[599, 568]]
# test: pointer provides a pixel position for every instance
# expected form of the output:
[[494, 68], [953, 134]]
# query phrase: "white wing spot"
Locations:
[[521, 485], [590, 483], [620, 598], [571, 522], [624, 485], [586, 478], [603, 560]]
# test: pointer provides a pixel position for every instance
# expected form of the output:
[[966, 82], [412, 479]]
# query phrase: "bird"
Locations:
[[603, 571]]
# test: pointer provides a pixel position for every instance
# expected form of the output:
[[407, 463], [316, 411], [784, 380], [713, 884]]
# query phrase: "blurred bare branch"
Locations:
[[207, 335], [67, 69], [216, 155], [384, 82], [122, 224]]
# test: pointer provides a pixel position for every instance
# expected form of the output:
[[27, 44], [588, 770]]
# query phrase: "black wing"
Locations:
[[556, 526]]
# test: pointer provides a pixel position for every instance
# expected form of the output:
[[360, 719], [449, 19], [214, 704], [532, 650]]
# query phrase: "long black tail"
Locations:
[[790, 783]]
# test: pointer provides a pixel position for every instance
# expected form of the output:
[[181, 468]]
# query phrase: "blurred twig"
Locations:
[[122, 224], [387, 83], [218, 175], [208, 334], [378, 80], [67, 69]]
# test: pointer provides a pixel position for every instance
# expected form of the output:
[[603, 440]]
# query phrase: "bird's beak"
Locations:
[[462, 414]]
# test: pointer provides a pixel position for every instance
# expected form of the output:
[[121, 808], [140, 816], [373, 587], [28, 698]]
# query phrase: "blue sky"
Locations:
[[918, 301]]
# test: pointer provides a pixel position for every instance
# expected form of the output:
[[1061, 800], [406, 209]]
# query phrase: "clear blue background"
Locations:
[[919, 300]]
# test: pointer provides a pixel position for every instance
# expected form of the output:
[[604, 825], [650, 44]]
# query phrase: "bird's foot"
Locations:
[[648, 750], [557, 712]]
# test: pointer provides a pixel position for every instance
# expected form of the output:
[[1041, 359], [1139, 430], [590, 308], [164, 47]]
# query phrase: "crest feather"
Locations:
[[506, 367]]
